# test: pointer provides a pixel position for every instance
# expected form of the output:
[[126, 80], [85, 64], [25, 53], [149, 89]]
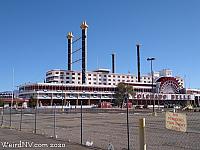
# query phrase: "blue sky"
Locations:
[[32, 36]]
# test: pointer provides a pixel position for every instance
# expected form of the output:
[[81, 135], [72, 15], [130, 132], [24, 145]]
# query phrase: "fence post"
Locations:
[[20, 125], [142, 136], [81, 123], [127, 121], [54, 130], [35, 118], [10, 114], [2, 115]]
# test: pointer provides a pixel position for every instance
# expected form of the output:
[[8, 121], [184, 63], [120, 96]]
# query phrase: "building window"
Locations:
[[104, 75], [73, 73], [57, 72], [49, 73], [79, 74], [73, 77], [89, 74]]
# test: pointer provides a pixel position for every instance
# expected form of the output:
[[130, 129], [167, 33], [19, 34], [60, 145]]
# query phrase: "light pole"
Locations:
[[151, 60], [62, 97]]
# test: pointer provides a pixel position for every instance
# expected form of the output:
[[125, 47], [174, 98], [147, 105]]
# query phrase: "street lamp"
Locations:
[[62, 97], [151, 60]]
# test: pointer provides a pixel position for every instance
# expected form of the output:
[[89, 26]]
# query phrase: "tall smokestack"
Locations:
[[84, 27], [113, 63], [138, 60], [70, 37]]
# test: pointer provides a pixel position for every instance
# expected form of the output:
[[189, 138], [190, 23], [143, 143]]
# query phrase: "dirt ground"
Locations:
[[19, 140], [101, 129]]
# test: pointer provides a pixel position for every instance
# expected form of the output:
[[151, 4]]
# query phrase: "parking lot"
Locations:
[[103, 128]]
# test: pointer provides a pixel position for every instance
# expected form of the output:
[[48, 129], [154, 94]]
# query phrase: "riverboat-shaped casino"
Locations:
[[92, 87], [64, 86]]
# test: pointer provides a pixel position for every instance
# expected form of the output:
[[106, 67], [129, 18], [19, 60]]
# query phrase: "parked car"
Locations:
[[138, 107]]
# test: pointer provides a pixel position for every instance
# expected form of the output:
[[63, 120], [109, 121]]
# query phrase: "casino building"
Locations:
[[63, 86], [92, 87]]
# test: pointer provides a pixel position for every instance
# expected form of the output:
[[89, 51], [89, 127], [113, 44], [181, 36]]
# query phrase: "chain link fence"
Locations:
[[103, 128]]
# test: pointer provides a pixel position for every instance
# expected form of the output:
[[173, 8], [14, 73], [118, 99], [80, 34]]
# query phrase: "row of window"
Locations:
[[95, 83], [89, 79], [46, 88], [100, 75], [74, 95]]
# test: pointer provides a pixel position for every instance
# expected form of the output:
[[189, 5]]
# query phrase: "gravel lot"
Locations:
[[12, 139], [103, 128]]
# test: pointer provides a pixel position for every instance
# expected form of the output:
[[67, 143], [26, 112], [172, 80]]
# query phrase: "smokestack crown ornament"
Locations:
[[84, 25], [70, 35]]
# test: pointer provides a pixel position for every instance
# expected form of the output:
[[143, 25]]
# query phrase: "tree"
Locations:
[[32, 102], [122, 91], [1, 103]]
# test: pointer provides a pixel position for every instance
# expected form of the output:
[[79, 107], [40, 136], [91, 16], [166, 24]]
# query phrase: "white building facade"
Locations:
[[63, 87]]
